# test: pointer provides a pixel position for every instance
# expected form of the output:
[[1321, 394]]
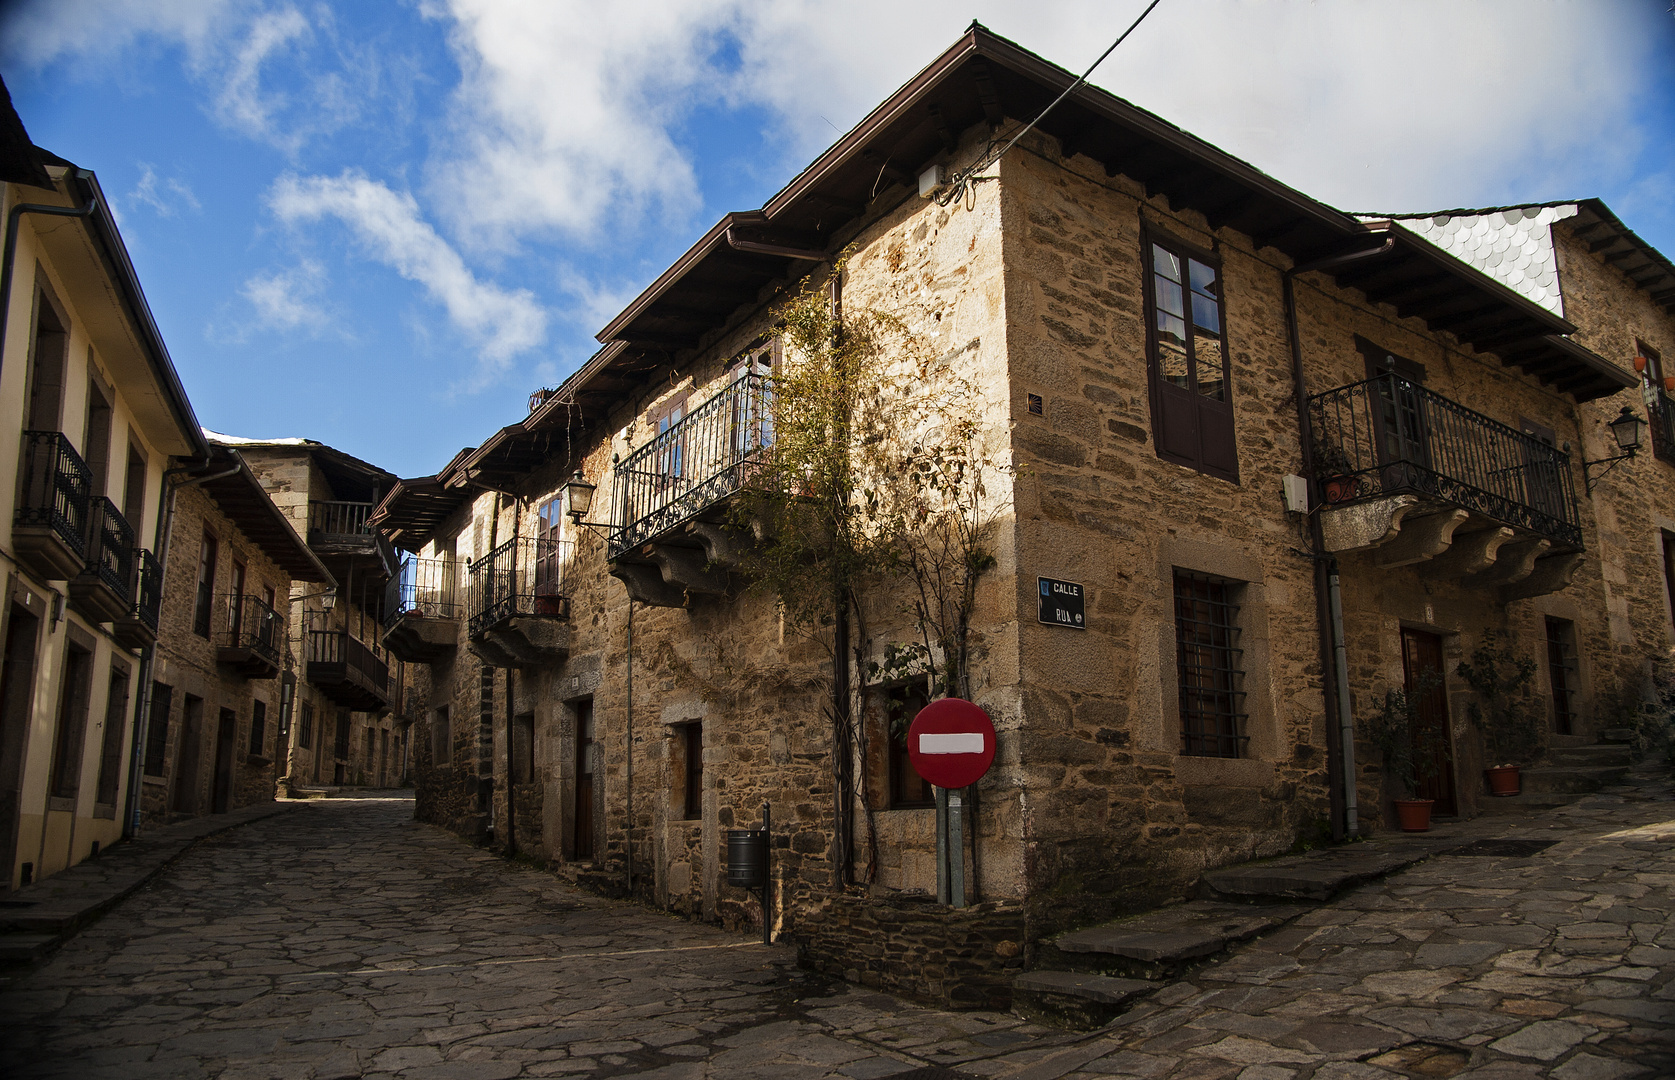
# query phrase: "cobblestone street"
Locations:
[[341, 939]]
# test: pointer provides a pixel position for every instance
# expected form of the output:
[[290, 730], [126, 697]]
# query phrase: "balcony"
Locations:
[[138, 628], [346, 671], [104, 590], [1414, 478], [49, 529], [670, 496], [519, 610], [422, 610], [249, 636]]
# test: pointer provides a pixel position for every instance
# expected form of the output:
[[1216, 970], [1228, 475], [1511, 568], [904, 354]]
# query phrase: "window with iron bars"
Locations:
[[1208, 668]]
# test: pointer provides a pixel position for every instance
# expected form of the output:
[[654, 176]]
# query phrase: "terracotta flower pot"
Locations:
[[1339, 488], [1669, 383], [1503, 780], [1414, 815], [1640, 363]]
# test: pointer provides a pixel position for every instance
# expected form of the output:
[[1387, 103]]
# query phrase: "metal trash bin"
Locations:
[[747, 858]]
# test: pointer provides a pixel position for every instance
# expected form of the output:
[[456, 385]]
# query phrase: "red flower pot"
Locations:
[[1503, 780], [1339, 488], [1414, 815]]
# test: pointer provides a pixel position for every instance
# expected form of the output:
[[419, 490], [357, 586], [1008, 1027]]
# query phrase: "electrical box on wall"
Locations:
[[1296, 493], [932, 180]]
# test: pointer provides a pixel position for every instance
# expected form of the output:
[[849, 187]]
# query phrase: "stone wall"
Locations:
[[962, 958]]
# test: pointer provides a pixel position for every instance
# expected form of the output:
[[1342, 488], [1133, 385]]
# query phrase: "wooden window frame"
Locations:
[[692, 760], [1172, 405], [203, 604]]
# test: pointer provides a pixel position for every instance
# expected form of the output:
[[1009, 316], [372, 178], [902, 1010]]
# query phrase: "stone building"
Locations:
[[91, 412], [224, 679], [1148, 338], [348, 727]]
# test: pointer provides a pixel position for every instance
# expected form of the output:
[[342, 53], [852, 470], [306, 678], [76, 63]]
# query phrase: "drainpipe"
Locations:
[[628, 777], [142, 699], [1334, 665], [12, 219]]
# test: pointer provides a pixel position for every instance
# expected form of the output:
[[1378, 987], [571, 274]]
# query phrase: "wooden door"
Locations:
[[186, 764], [1422, 656], [17, 683], [583, 816], [226, 739]]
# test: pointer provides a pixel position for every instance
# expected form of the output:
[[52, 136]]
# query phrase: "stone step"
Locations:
[[1568, 779], [1318, 875], [1076, 999], [1598, 754], [1161, 942], [1617, 735], [25, 948], [1527, 803], [1571, 740]]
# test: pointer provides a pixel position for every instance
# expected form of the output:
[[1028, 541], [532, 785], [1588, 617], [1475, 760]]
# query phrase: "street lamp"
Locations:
[[577, 494], [1628, 429]]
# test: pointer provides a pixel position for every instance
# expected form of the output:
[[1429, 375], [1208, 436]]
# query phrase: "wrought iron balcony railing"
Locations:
[[110, 548], [425, 587], [699, 461], [339, 521], [247, 623], [1388, 436], [148, 588], [56, 488], [523, 576]]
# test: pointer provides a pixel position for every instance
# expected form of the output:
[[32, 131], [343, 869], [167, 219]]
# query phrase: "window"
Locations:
[[1207, 666], [549, 529], [523, 748], [752, 419], [133, 488], [581, 835], [235, 605], [46, 367], [205, 600], [306, 738], [157, 730], [692, 740], [258, 727], [1561, 673], [908, 789], [671, 457], [441, 740], [342, 747], [1660, 408], [1192, 401]]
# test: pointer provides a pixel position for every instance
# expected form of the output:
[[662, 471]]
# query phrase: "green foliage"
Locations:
[[1512, 724], [1409, 751]]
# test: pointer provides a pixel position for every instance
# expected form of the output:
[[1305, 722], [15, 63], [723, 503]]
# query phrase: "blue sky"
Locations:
[[384, 225]]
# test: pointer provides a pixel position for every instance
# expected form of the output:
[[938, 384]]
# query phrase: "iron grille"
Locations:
[[56, 487], [148, 588], [1207, 660], [345, 519], [699, 461], [110, 547], [1660, 417], [1388, 435], [523, 576], [247, 622], [425, 587]]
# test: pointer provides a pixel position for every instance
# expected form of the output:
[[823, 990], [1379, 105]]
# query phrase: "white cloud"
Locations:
[[569, 114], [165, 196], [289, 299], [39, 32], [503, 323], [241, 103]]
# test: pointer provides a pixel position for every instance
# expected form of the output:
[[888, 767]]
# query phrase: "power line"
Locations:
[[961, 182]]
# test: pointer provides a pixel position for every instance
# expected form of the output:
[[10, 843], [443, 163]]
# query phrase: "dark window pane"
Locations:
[[1206, 314], [1207, 351]]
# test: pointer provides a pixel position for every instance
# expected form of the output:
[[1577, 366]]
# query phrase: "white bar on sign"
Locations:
[[958, 742]]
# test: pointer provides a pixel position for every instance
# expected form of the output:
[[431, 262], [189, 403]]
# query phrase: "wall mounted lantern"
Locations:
[[1628, 429]]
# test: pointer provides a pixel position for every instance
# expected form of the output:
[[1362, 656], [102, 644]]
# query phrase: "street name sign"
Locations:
[[1061, 603]]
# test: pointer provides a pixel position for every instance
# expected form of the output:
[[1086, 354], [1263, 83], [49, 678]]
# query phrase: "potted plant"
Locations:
[[1409, 750], [1332, 466], [1510, 724]]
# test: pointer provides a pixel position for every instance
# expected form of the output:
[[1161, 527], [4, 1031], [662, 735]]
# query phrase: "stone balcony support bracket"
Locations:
[[1421, 538]]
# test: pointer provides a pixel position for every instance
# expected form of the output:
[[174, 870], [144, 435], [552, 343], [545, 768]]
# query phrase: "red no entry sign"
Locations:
[[951, 743]]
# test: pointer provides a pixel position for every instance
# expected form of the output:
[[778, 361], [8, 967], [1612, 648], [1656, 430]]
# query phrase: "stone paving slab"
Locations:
[[342, 939], [1178, 933], [67, 900], [1318, 875]]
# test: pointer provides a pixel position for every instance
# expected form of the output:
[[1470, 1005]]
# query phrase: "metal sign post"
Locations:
[[951, 743]]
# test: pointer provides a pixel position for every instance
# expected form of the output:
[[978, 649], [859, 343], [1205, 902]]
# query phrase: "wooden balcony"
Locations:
[[346, 671]]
